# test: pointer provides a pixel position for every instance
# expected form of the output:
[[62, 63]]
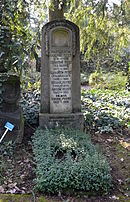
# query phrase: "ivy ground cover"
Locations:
[[67, 159], [106, 110]]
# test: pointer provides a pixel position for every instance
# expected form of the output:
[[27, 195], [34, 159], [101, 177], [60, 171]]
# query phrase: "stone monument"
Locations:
[[60, 75], [9, 107]]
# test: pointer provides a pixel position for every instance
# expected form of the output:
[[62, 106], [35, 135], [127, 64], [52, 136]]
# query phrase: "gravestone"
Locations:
[[60, 76], [9, 107]]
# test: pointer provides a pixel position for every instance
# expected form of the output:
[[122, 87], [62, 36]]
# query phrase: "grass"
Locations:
[[22, 198]]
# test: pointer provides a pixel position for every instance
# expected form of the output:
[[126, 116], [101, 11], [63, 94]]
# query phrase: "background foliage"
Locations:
[[17, 40], [103, 27]]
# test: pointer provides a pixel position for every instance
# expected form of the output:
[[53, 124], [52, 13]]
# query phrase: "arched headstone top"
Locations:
[[64, 26]]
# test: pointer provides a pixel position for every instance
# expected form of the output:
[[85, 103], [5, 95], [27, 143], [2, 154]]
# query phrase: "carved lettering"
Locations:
[[60, 82]]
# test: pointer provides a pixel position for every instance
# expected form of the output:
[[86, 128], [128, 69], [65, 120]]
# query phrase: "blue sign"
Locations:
[[9, 126]]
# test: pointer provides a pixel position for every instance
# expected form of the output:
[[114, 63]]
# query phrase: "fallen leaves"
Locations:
[[17, 176], [126, 145], [114, 197]]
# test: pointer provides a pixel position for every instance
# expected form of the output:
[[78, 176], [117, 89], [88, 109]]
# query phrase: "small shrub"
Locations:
[[111, 81], [115, 81], [128, 79], [95, 79], [66, 159], [30, 103]]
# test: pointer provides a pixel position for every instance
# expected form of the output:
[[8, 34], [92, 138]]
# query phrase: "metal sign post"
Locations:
[[9, 127]]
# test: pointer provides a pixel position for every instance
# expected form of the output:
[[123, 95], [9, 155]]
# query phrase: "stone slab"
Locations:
[[72, 120], [60, 37], [17, 120]]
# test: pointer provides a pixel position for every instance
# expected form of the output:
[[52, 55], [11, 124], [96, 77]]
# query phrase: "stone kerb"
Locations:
[[60, 75]]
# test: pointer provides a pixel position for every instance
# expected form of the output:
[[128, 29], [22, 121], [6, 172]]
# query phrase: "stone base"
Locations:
[[16, 118], [73, 120]]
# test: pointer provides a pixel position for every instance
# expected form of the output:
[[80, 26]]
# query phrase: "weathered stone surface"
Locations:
[[60, 74], [60, 83], [9, 107], [16, 118], [72, 120], [11, 92]]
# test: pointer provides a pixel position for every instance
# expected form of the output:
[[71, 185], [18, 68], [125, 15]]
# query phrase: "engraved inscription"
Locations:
[[60, 82]]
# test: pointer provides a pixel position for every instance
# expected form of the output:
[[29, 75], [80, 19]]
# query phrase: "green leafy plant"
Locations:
[[105, 110], [103, 33], [0, 91], [17, 44], [101, 108], [95, 78], [2, 168], [30, 101], [111, 81], [2, 80], [6, 149], [67, 160], [128, 78]]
